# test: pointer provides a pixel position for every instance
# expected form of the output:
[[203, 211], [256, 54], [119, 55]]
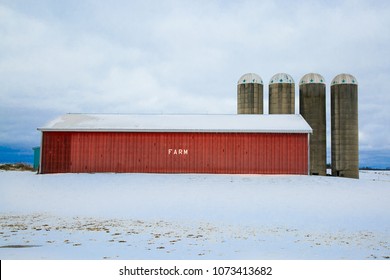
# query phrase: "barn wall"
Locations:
[[229, 153], [55, 151]]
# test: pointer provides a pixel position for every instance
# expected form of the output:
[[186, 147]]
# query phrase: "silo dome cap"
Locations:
[[249, 78], [281, 78], [344, 79], [312, 78]]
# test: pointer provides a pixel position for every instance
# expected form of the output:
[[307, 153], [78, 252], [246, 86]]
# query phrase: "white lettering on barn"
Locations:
[[183, 152]]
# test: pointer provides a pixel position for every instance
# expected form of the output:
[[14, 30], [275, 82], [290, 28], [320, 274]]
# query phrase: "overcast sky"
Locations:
[[182, 57]]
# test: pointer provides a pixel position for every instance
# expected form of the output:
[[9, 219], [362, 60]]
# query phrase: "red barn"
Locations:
[[227, 144]]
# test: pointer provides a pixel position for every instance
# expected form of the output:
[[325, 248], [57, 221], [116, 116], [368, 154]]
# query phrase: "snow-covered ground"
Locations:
[[193, 216]]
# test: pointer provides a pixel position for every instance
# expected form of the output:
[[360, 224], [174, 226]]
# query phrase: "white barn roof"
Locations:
[[179, 123]]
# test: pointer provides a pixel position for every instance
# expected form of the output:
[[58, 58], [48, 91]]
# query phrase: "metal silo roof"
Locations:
[[344, 79], [312, 78], [250, 78], [281, 78]]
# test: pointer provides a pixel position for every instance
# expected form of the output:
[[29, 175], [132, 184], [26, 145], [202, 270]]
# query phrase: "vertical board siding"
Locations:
[[147, 152], [56, 151]]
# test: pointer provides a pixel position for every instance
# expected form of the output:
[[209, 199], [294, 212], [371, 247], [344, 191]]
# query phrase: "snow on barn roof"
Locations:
[[179, 123]]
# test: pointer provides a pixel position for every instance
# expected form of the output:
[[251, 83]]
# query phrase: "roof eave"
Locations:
[[170, 130]]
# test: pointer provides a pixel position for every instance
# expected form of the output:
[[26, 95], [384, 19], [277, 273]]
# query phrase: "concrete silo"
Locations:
[[281, 94], [250, 94], [312, 106], [344, 126]]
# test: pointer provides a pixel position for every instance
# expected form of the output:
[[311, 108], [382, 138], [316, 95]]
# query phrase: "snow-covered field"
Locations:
[[193, 216]]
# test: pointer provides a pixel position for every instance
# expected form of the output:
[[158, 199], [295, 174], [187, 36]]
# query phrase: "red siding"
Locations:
[[229, 153], [56, 152]]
